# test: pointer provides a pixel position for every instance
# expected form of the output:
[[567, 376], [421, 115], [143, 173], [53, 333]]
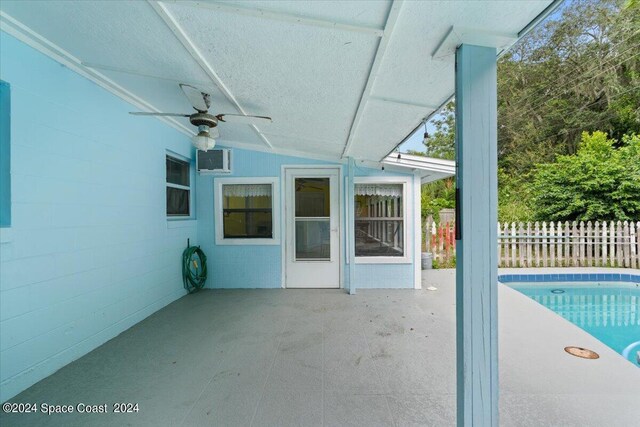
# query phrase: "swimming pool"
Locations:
[[607, 309]]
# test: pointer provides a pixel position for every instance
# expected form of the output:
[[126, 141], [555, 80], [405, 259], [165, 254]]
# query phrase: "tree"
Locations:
[[442, 143], [436, 196], [578, 71], [600, 182]]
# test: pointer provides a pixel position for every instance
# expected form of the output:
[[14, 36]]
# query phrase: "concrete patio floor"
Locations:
[[322, 357]]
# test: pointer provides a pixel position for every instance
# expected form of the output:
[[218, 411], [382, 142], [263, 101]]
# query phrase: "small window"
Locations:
[[246, 211], [178, 187], [379, 220]]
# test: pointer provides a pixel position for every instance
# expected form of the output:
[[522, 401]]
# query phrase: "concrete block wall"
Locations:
[[245, 266], [260, 266], [90, 251]]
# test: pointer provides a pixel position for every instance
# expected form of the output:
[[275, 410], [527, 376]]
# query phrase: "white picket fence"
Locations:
[[553, 244], [575, 244]]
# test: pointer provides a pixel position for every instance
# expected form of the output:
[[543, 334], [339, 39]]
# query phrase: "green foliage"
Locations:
[[514, 198], [600, 182], [437, 195], [442, 143], [578, 71], [445, 263]]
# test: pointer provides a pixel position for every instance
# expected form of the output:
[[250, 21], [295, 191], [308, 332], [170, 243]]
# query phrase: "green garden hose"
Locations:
[[194, 268]]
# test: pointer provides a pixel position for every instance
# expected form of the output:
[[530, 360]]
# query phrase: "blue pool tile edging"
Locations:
[[571, 277]]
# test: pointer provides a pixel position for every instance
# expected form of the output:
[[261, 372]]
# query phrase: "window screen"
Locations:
[[379, 217], [247, 211], [178, 187]]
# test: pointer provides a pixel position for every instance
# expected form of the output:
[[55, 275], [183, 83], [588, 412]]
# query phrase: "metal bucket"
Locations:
[[427, 260]]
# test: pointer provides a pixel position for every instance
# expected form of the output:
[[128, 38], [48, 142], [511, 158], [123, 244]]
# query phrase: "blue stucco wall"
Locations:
[[89, 252], [254, 266], [250, 266], [5, 154]]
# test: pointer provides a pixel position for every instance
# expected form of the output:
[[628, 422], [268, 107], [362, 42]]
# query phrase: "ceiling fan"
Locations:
[[207, 123]]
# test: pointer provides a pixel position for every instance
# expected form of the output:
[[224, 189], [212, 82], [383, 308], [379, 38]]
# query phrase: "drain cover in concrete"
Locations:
[[585, 353]]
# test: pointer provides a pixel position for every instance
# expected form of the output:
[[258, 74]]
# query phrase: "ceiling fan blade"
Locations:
[[140, 113], [240, 118], [200, 100]]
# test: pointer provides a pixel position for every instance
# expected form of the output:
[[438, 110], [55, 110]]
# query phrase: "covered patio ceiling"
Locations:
[[339, 78]]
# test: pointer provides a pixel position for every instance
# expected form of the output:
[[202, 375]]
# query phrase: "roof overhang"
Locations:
[[340, 78], [428, 169]]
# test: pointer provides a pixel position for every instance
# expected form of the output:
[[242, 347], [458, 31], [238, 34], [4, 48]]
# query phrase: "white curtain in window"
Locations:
[[246, 190], [379, 190]]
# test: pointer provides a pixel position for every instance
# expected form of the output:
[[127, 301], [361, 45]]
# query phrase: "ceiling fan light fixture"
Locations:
[[202, 141]]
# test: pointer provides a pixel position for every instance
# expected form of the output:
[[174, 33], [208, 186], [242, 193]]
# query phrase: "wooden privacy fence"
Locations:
[[553, 244]]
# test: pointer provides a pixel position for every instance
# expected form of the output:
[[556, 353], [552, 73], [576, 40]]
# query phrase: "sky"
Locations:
[[415, 141]]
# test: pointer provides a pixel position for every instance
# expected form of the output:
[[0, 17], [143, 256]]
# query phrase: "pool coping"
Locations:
[[575, 274]]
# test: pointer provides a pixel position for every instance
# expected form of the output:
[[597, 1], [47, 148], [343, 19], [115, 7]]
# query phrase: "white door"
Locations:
[[312, 248]]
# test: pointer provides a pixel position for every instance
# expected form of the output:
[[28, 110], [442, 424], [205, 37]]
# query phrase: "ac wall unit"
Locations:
[[213, 161]]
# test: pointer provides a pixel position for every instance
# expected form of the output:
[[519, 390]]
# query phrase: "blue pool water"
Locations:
[[610, 311]]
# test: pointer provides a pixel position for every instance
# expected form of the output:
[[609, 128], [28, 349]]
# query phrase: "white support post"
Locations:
[[476, 266], [417, 232], [351, 228]]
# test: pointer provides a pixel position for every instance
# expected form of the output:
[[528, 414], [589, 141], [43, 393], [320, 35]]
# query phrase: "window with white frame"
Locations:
[[178, 187], [246, 211], [380, 220]]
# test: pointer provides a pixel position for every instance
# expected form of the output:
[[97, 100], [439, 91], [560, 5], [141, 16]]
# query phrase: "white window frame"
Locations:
[[275, 211], [407, 210], [190, 187]]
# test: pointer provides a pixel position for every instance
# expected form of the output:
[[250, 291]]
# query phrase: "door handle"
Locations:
[[334, 230]]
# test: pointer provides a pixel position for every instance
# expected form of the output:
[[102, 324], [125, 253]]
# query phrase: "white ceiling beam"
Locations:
[[401, 102], [23, 33], [455, 36], [200, 85], [392, 18], [195, 53], [281, 16]]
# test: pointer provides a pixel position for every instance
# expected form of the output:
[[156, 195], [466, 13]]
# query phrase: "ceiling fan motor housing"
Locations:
[[203, 119]]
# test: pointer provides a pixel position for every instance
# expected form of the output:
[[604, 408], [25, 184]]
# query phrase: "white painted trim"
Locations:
[[456, 36], [23, 33], [407, 217], [341, 220], [389, 25], [275, 211], [350, 207], [422, 163], [417, 232], [282, 16], [197, 55]]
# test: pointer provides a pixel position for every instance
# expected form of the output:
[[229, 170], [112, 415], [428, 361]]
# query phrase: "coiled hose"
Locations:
[[194, 269]]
